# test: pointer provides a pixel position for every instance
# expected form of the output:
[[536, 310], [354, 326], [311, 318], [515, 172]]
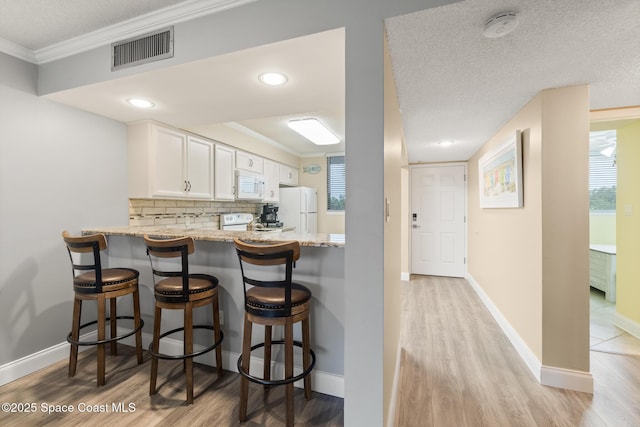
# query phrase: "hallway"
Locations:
[[459, 369]]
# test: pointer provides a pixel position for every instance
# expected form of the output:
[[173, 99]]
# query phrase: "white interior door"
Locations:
[[438, 220]]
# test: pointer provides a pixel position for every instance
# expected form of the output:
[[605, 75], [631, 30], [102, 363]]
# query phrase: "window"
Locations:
[[335, 183], [602, 171]]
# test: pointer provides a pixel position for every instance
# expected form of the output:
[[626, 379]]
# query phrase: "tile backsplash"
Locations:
[[194, 213]]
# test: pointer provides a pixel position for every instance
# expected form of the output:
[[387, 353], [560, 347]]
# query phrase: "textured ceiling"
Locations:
[[453, 83]]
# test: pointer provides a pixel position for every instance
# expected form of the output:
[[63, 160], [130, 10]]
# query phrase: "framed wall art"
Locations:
[[500, 175]]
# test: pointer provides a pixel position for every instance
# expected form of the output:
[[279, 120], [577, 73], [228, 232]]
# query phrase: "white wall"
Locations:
[[60, 168]]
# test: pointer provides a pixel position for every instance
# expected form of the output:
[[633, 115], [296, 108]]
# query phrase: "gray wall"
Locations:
[[59, 168], [269, 21]]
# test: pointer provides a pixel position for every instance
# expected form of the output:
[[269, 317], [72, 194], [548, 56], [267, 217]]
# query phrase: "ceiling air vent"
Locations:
[[142, 49]]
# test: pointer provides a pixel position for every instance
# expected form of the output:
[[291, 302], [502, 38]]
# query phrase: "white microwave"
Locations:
[[249, 185]]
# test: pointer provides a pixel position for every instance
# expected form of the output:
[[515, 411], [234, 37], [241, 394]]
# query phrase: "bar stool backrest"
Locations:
[[171, 248], [93, 244], [286, 253]]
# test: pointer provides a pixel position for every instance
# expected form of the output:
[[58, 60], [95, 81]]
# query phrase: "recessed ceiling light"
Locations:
[[314, 131], [272, 78], [140, 103]]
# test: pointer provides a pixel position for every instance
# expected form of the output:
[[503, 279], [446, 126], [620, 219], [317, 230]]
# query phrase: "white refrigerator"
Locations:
[[298, 207]]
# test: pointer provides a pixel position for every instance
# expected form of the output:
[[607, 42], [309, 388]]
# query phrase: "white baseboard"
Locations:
[[566, 378], [626, 324], [391, 417], [322, 382], [546, 375], [405, 276], [521, 347], [33, 362]]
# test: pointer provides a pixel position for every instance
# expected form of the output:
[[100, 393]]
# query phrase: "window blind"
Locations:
[[336, 187]]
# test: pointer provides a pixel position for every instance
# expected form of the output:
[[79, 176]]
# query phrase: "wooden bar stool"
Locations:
[[98, 284], [180, 290], [273, 303]]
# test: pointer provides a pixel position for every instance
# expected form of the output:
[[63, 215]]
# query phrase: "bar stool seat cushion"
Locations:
[[198, 283], [273, 298], [113, 279]]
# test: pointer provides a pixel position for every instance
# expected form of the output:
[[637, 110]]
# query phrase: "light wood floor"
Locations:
[[458, 369], [215, 401]]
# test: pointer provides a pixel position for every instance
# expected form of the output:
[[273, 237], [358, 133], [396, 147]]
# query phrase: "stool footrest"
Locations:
[[266, 382], [185, 356], [106, 340]]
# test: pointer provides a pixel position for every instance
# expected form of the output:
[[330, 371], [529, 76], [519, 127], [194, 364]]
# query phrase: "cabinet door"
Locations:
[[199, 168], [168, 168], [271, 181], [224, 170], [249, 162], [288, 175]]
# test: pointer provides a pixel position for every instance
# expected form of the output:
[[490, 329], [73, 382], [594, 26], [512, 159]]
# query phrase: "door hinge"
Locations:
[[465, 260], [465, 177]]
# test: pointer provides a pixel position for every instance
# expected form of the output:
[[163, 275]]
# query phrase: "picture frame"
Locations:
[[500, 175]]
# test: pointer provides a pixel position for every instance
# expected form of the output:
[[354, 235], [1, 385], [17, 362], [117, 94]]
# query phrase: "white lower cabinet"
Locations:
[[165, 162], [602, 270], [224, 173]]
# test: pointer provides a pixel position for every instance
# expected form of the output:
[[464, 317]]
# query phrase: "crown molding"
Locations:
[[130, 28], [17, 51]]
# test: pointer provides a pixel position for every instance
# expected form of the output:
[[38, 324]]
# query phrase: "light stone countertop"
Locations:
[[607, 249], [215, 235]]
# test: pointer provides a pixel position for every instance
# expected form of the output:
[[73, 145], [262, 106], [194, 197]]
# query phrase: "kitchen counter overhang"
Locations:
[[215, 235], [320, 268]]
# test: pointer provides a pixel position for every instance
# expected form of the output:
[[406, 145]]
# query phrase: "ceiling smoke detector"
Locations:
[[500, 25]]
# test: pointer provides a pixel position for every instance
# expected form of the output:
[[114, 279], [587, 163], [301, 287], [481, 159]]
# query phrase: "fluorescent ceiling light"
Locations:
[[273, 79], [314, 131], [140, 103], [445, 143]]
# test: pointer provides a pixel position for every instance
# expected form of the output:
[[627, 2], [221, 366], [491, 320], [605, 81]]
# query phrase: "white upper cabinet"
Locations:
[[164, 162], [224, 173], [249, 162], [199, 168], [271, 181], [288, 175]]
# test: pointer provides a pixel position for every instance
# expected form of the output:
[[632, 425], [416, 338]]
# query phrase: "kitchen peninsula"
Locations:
[[320, 268]]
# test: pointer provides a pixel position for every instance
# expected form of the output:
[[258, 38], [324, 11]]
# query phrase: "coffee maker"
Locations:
[[269, 216]]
